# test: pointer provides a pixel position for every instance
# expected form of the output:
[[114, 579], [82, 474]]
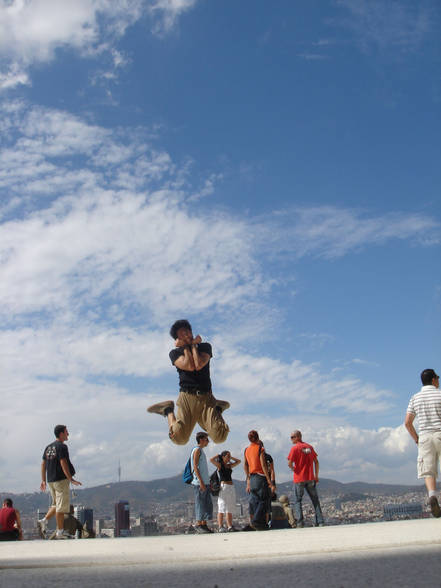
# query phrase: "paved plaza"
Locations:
[[400, 553]]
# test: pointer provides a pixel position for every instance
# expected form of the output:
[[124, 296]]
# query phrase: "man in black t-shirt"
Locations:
[[196, 403], [58, 469]]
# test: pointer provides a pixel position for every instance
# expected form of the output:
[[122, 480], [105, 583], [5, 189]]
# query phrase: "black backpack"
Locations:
[[215, 484]]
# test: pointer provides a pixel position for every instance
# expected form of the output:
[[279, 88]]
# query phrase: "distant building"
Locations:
[[145, 526], [99, 526], [84, 515], [408, 510], [122, 519]]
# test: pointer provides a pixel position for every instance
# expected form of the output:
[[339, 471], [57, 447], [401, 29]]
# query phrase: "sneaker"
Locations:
[[161, 407], [202, 529], [232, 530], [190, 530], [248, 528], [63, 535], [222, 530], [222, 405], [42, 528], [434, 507]]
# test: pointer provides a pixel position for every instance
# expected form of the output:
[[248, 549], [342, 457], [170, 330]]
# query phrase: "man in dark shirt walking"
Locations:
[[196, 403], [57, 467]]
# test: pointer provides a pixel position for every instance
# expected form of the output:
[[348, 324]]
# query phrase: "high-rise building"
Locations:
[[84, 515], [99, 526], [122, 519]]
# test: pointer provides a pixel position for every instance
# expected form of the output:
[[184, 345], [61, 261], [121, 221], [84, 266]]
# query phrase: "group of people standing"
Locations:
[[260, 484]]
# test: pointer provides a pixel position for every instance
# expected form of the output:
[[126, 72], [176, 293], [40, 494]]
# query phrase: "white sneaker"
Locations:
[[63, 535], [42, 528]]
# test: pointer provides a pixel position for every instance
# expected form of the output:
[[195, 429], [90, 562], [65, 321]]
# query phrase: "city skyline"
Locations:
[[269, 172]]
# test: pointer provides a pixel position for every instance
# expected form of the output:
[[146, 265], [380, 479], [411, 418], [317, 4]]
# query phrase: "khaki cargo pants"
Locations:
[[192, 409]]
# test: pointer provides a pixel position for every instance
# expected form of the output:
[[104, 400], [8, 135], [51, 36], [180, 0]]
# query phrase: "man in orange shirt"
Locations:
[[259, 483]]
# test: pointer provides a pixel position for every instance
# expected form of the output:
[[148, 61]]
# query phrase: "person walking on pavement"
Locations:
[[425, 405], [59, 471]]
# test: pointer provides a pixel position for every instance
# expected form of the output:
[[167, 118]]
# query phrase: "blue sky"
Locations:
[[269, 171]]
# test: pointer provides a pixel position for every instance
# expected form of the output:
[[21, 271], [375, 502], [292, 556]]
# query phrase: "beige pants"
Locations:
[[429, 454], [194, 409], [60, 495]]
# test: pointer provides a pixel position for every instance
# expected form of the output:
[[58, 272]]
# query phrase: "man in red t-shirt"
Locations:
[[10, 523], [302, 460]]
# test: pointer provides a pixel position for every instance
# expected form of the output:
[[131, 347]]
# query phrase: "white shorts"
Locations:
[[226, 501], [429, 453]]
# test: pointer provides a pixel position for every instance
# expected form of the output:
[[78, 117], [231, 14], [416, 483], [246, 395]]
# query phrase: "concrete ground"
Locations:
[[400, 553]]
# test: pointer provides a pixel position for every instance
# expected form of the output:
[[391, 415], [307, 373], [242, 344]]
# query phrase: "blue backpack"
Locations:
[[187, 476]]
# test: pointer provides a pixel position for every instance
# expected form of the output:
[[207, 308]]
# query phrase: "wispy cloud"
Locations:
[[313, 56], [332, 232], [387, 25]]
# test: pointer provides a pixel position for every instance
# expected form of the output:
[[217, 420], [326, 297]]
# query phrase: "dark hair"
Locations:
[[181, 324], [58, 430], [8, 502], [253, 436], [220, 457], [427, 376], [201, 435]]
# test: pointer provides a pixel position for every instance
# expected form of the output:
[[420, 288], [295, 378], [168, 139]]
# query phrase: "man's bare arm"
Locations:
[[247, 473], [191, 360], [185, 362], [65, 468], [196, 456], [43, 476], [18, 524], [316, 464], [265, 469], [408, 423], [200, 359]]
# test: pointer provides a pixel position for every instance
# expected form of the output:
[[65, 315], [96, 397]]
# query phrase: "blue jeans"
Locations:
[[258, 499], [203, 505], [310, 487]]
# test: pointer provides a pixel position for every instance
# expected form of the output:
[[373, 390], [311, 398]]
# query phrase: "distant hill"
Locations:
[[142, 496]]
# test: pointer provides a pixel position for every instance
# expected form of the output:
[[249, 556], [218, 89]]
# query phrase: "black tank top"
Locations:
[[225, 473]]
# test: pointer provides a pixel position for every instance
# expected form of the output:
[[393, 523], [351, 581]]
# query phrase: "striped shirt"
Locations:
[[426, 406]]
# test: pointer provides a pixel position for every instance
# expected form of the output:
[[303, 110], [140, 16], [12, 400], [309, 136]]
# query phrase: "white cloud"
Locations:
[[301, 386], [31, 31], [386, 25], [168, 12]]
